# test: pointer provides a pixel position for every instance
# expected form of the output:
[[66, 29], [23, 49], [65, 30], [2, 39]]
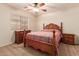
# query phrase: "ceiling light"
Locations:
[[36, 10]]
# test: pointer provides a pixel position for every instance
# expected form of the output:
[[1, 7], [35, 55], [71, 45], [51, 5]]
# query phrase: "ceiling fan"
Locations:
[[36, 7]]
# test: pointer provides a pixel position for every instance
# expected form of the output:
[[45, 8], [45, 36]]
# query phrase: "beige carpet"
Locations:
[[19, 50]]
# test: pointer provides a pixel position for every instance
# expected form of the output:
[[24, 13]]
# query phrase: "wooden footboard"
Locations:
[[43, 46]]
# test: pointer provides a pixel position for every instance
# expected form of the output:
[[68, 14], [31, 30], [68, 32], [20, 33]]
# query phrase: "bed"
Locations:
[[46, 40]]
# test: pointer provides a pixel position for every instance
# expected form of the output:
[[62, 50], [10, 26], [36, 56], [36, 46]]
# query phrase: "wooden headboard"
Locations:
[[53, 26]]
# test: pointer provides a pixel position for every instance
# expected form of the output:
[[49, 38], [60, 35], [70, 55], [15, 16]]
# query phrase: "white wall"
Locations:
[[49, 18], [6, 34], [32, 23], [70, 19]]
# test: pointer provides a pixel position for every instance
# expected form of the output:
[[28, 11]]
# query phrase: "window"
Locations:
[[19, 22]]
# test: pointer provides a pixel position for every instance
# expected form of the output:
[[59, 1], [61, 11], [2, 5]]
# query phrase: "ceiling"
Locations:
[[51, 7]]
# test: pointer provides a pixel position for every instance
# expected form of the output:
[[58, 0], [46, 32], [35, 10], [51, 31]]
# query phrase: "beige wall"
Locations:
[[4, 26], [6, 34], [54, 17], [32, 23], [70, 19]]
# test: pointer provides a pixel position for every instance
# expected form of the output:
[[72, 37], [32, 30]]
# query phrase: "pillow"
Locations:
[[48, 30]]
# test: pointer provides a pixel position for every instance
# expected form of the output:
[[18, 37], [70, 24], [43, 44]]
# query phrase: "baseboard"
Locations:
[[8, 43]]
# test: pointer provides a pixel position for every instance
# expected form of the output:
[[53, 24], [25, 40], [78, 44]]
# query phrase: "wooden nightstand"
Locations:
[[19, 36], [68, 38]]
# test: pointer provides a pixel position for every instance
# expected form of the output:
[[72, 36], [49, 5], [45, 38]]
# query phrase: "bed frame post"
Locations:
[[24, 40], [43, 26], [61, 27], [61, 31], [53, 41]]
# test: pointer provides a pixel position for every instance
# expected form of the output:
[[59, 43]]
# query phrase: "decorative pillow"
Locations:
[[51, 30], [48, 30]]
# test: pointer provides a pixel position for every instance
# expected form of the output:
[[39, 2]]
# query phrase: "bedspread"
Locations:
[[44, 36]]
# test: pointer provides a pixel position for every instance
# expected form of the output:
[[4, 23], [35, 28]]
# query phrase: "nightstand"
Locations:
[[19, 35], [68, 38]]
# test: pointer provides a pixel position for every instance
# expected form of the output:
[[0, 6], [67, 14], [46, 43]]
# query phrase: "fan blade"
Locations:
[[28, 8], [43, 8], [29, 4], [41, 4]]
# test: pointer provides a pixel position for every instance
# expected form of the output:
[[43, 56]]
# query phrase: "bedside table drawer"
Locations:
[[19, 36], [68, 38]]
